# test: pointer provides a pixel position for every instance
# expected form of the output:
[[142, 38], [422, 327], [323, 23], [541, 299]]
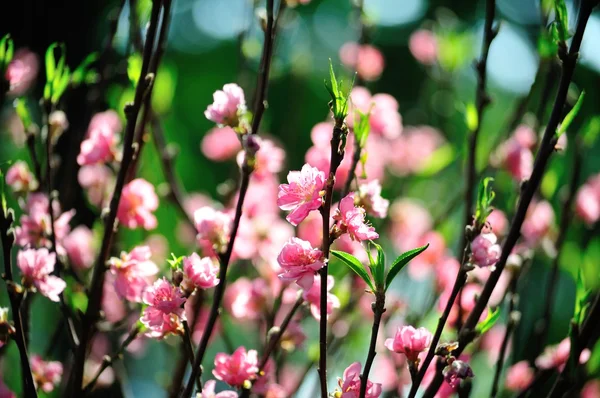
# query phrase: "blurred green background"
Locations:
[[213, 42]]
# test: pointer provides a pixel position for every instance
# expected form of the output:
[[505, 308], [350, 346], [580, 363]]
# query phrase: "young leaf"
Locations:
[[582, 295], [590, 131], [134, 68], [485, 196], [23, 113], [471, 117], [175, 262], [570, 116], [562, 19], [362, 128], [489, 321], [80, 73], [355, 265], [400, 262], [50, 63], [378, 270]]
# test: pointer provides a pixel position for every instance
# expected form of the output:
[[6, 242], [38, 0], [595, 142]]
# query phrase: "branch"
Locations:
[[246, 169], [143, 88], [378, 310], [7, 238], [569, 61]]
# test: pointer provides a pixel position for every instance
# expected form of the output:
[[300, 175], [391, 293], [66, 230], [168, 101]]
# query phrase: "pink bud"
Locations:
[[484, 250], [220, 143], [410, 342], [228, 105]]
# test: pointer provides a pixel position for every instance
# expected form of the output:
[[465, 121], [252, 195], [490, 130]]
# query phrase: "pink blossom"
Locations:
[[384, 119], [21, 71], [113, 306], [519, 376], [246, 299], [456, 371], [269, 159], [236, 368], [100, 146], [491, 341], [410, 221], [165, 325], [369, 197], [352, 220], [35, 225], [485, 252], [36, 265], [518, 161], [423, 46], [260, 238], [498, 222], [5, 392], [46, 375], [413, 149], [350, 383], [410, 342], [538, 220], [163, 300], [108, 119], [587, 204], [97, 180], [220, 143], [19, 178], [200, 272], [556, 356], [79, 247], [366, 59], [299, 262], [213, 228], [313, 296], [591, 389], [138, 201], [229, 104], [525, 136], [208, 391], [303, 193], [133, 272], [445, 272]]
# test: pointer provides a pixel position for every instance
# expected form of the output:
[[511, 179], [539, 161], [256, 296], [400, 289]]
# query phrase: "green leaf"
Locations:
[[570, 116], [61, 85], [23, 113], [378, 266], [80, 73], [485, 197], [355, 265], [438, 161], [134, 68], [471, 117], [362, 128], [489, 321], [582, 295], [175, 262], [590, 131], [334, 84], [339, 98], [6, 51], [547, 47], [400, 262], [562, 19], [50, 63]]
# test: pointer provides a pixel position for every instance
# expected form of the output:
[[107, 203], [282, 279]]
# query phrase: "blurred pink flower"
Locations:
[[113, 306], [100, 146], [422, 265], [303, 193], [369, 196], [410, 342], [384, 119], [556, 356], [423, 46], [163, 300], [35, 225], [213, 227], [97, 180], [491, 342], [413, 149], [519, 376], [261, 197], [366, 59], [208, 391], [200, 272], [21, 71], [525, 136], [350, 383], [46, 375], [246, 299], [456, 371], [313, 296], [36, 265], [138, 202], [269, 159], [108, 119], [591, 389], [518, 161], [587, 204], [485, 252], [20, 179], [538, 221], [79, 247], [445, 273], [498, 222], [236, 368], [134, 272], [410, 221], [352, 220], [299, 262], [5, 392], [220, 144], [228, 105]]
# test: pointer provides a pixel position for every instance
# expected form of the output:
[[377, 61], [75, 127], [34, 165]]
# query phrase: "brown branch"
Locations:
[[378, 310]]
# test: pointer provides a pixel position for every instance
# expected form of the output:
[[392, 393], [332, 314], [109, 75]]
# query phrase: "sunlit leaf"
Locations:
[[570, 116], [400, 262], [23, 113], [562, 19], [489, 321], [485, 197], [471, 117], [378, 265], [134, 68], [590, 131], [80, 73], [355, 265]]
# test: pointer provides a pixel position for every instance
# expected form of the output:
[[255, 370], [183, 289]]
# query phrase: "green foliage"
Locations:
[[455, 49], [83, 73], [561, 22], [355, 265], [582, 296], [7, 48], [339, 95], [23, 113], [175, 262], [362, 128], [471, 117], [547, 46], [570, 116], [57, 73], [400, 262], [485, 196], [489, 321], [438, 161], [163, 92], [377, 266], [134, 68], [589, 132]]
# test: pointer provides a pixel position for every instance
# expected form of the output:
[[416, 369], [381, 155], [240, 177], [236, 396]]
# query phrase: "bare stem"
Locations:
[[143, 88], [378, 310]]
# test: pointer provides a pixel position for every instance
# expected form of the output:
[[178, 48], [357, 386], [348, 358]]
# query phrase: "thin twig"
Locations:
[[547, 147], [246, 170], [143, 88], [378, 310]]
